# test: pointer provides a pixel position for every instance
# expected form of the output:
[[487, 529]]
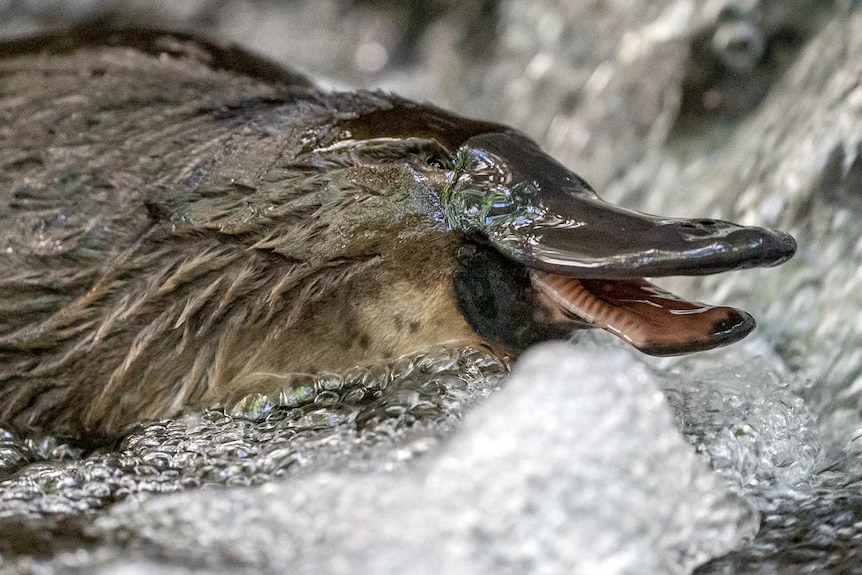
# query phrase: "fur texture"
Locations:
[[170, 236]]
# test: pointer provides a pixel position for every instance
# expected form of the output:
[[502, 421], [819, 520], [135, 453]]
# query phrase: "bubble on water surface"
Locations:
[[369, 417], [753, 428], [571, 468]]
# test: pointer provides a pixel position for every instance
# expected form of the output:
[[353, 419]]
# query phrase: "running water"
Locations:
[[572, 467]]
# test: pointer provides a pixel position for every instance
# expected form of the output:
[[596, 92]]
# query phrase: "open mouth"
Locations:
[[587, 260], [642, 314]]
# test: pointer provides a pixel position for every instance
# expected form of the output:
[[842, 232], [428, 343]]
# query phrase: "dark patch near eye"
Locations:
[[364, 341], [414, 326], [496, 299], [416, 151], [436, 156]]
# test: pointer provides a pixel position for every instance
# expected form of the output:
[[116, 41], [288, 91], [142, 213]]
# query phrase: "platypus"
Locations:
[[183, 220]]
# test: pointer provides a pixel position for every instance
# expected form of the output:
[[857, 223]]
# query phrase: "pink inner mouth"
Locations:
[[649, 318]]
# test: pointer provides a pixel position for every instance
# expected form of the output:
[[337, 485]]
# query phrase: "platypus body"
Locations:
[[182, 223]]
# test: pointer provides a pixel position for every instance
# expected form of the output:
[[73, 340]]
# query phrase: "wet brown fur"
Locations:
[[168, 238]]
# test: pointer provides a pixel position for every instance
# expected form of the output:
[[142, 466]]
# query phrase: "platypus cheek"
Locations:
[[496, 298]]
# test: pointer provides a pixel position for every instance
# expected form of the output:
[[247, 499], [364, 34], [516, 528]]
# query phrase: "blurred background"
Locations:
[[598, 81]]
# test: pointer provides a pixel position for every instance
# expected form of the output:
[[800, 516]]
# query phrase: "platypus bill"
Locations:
[[181, 219]]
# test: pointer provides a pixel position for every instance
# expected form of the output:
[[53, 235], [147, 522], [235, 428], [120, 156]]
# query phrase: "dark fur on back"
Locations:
[[162, 221]]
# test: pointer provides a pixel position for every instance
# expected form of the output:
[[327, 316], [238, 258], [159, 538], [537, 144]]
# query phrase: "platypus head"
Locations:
[[543, 254]]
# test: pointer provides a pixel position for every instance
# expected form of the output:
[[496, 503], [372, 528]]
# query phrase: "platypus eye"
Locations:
[[439, 162], [431, 154]]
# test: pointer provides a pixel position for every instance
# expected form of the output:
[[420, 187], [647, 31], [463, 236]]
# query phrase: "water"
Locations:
[[411, 404], [570, 468], [589, 458]]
